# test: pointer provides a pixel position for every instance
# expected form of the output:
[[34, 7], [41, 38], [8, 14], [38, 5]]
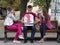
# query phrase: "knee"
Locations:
[[24, 28], [18, 24], [33, 28]]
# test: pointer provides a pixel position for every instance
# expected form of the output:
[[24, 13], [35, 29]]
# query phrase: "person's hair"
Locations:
[[45, 13], [29, 6], [11, 9]]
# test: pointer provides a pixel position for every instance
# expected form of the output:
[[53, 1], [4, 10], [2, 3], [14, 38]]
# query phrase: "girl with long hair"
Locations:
[[44, 23]]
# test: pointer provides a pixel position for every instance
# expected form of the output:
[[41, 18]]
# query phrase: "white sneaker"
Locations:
[[21, 37], [15, 41], [41, 41], [45, 36]]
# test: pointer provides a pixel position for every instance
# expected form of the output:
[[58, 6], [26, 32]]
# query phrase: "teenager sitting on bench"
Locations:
[[12, 24], [44, 23]]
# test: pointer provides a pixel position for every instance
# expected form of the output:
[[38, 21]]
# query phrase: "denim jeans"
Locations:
[[33, 29], [43, 28]]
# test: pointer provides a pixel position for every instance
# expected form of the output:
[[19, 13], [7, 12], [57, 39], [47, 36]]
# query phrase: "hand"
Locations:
[[18, 20], [36, 22], [22, 21]]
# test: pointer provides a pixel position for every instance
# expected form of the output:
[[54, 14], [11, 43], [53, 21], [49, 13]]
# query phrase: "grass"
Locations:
[[1, 25], [1, 22]]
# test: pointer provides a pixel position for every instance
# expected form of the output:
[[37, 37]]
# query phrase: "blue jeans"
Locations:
[[43, 28], [25, 28]]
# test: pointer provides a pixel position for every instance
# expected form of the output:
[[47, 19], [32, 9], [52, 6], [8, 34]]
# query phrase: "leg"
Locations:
[[25, 33], [42, 31], [19, 32], [15, 27], [33, 33], [19, 27]]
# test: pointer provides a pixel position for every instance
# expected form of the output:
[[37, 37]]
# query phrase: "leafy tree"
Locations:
[[42, 3], [10, 3], [18, 4], [39, 3]]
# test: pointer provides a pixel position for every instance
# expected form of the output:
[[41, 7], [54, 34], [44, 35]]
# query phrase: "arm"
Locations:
[[13, 18], [22, 20], [36, 20]]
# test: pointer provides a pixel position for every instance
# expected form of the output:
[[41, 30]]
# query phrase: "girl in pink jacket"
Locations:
[[44, 23]]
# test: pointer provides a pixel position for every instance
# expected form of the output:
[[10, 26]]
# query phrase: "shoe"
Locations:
[[21, 37], [45, 36], [31, 41], [15, 41], [25, 41], [41, 41]]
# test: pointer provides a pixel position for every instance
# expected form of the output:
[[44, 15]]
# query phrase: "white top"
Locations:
[[31, 21], [9, 19]]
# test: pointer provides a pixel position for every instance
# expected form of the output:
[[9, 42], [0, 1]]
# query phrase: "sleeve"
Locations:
[[12, 17], [34, 15]]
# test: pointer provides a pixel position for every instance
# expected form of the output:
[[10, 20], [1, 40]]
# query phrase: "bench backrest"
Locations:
[[55, 24]]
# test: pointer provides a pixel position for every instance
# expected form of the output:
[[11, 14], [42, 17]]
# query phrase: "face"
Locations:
[[13, 11], [29, 9]]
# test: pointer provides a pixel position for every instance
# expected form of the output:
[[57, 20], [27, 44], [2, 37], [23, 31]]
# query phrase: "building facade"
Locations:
[[55, 9]]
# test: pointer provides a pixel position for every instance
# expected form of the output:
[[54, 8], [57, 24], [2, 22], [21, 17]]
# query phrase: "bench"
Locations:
[[54, 30]]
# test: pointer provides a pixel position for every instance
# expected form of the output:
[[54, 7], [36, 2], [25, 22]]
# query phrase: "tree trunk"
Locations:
[[48, 4], [23, 7]]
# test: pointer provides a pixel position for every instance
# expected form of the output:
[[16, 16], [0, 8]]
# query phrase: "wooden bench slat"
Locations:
[[36, 31], [54, 23], [54, 31]]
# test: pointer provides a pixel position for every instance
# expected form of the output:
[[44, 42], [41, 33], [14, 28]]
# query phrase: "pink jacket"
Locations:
[[48, 24]]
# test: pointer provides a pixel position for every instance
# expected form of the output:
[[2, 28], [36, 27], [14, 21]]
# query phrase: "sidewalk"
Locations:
[[35, 43]]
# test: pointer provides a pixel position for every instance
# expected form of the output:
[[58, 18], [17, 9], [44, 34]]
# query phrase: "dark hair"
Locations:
[[29, 6], [45, 13]]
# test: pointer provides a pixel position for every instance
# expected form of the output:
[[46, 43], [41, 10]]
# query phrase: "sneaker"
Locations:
[[41, 41], [31, 41], [45, 36], [15, 41], [21, 37], [25, 41]]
